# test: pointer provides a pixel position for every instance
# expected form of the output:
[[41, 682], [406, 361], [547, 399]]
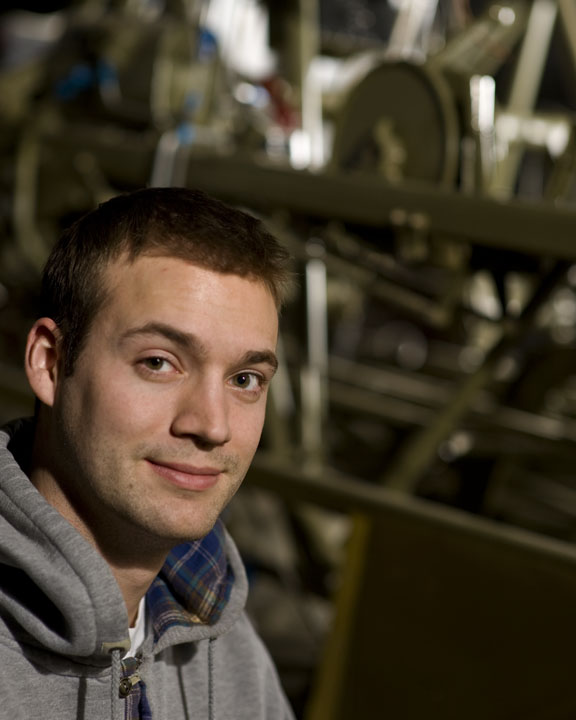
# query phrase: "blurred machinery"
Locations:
[[423, 173]]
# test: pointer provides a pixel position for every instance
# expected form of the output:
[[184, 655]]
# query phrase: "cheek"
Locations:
[[114, 409], [134, 415]]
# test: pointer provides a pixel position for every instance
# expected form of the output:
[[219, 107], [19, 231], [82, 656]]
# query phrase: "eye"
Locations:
[[157, 364], [248, 381]]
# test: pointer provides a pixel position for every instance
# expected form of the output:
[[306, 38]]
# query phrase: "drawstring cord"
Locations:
[[116, 677], [211, 678]]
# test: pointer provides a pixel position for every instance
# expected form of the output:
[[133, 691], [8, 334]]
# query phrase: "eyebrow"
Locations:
[[189, 342], [258, 357]]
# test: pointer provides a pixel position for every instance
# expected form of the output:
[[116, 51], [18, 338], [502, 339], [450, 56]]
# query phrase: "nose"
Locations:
[[202, 414]]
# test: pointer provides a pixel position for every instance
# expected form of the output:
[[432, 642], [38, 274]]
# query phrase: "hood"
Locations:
[[56, 591]]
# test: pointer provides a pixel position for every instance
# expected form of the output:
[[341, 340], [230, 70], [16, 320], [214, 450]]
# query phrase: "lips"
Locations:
[[187, 477]]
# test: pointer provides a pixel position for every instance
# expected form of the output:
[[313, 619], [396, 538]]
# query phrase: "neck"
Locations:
[[133, 564], [133, 584]]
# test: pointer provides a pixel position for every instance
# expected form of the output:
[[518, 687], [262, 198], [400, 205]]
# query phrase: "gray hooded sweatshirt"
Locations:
[[64, 626]]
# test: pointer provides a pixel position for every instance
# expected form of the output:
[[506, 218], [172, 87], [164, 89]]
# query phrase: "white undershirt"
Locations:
[[138, 631]]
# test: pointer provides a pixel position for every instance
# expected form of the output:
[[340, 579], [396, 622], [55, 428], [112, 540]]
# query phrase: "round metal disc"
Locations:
[[400, 121]]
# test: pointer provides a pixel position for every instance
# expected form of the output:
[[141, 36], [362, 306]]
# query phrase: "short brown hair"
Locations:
[[173, 222]]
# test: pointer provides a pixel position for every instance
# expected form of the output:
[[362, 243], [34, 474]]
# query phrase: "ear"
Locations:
[[42, 359]]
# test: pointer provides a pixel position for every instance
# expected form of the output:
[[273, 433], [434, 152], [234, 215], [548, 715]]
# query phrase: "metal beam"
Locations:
[[343, 493], [541, 228]]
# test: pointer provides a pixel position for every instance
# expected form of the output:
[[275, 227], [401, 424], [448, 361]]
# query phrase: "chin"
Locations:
[[168, 524], [186, 532]]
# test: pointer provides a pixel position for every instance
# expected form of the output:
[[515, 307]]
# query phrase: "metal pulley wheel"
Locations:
[[400, 121]]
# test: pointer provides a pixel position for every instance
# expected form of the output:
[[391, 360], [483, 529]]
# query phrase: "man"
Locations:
[[121, 595]]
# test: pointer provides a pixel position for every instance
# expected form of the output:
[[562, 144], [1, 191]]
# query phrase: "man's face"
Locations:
[[159, 422]]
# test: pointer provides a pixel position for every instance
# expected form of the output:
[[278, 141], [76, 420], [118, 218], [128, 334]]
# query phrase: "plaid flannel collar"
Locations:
[[193, 586]]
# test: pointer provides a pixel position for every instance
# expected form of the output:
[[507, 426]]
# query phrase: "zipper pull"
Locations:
[[127, 683]]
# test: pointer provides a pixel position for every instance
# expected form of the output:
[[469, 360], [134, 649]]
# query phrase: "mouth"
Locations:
[[187, 477]]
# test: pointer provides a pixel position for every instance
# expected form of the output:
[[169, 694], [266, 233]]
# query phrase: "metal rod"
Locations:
[[526, 84], [314, 372], [418, 453]]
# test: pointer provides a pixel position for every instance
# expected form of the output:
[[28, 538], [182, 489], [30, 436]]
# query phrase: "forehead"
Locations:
[[173, 290]]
